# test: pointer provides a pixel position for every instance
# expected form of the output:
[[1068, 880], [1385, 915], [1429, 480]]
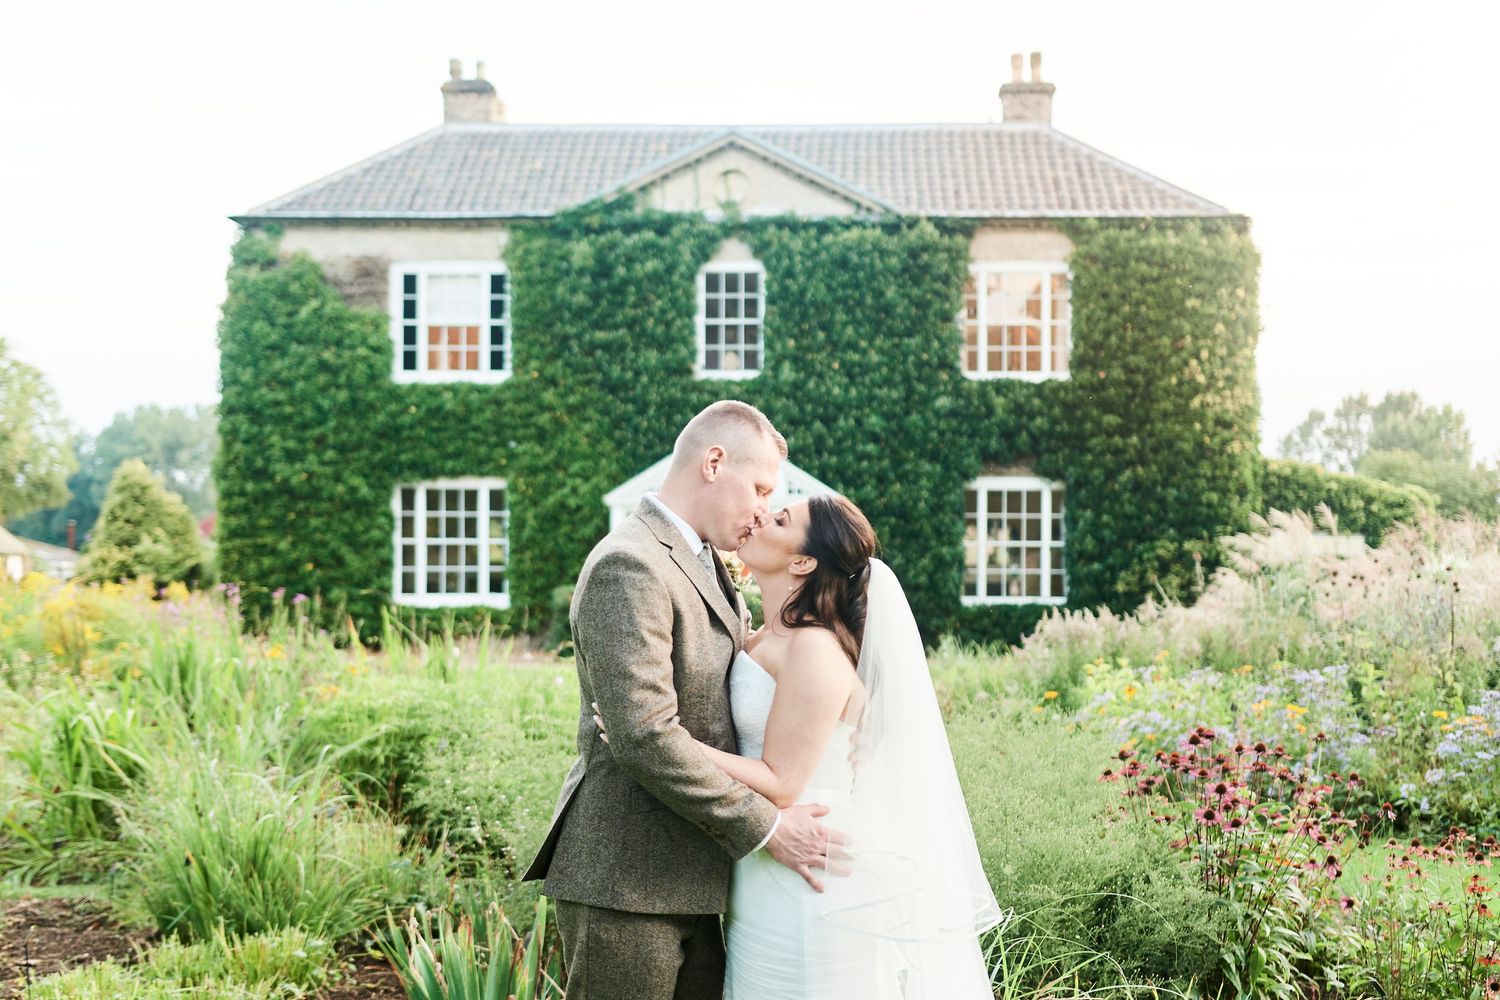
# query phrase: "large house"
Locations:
[[420, 231]]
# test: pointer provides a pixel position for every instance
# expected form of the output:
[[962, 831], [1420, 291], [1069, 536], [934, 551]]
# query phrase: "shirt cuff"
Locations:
[[769, 833]]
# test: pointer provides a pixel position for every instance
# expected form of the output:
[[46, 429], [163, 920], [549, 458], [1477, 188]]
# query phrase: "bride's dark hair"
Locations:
[[833, 595]]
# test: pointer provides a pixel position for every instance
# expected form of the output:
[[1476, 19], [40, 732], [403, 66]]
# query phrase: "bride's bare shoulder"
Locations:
[[817, 644]]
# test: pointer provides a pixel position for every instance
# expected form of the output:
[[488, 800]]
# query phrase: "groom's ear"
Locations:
[[713, 462]]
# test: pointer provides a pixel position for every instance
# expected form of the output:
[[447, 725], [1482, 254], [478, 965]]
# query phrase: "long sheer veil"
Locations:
[[915, 878]]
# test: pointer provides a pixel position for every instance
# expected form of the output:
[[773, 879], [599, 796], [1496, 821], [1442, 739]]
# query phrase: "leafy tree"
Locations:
[[1458, 486], [177, 443], [1400, 440], [35, 453], [144, 530], [1399, 422]]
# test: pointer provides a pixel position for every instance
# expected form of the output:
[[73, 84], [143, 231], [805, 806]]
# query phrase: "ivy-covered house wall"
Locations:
[[1153, 437]]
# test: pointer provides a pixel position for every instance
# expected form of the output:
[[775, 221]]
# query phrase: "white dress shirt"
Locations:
[[696, 543]]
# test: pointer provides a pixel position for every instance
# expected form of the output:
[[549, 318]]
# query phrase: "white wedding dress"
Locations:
[[904, 922], [779, 945]]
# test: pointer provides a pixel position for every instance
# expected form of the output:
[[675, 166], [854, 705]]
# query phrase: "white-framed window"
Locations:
[[1013, 541], [450, 321], [731, 314], [452, 543], [1017, 320]]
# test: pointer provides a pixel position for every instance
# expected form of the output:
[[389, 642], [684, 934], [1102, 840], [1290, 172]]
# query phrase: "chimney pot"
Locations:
[[470, 100], [1028, 100]]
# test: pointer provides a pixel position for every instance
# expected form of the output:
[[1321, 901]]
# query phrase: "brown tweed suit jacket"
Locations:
[[645, 822]]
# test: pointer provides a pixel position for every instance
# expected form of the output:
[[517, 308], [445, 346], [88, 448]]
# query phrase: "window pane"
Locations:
[[711, 282], [752, 282], [455, 298], [497, 500], [711, 308], [752, 360], [752, 308], [497, 284], [731, 282], [711, 359], [732, 308], [408, 284]]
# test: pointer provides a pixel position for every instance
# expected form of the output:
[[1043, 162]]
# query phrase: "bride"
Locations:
[[840, 654]]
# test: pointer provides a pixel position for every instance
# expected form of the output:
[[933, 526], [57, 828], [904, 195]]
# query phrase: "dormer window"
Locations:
[[731, 309], [450, 321], [1016, 320]]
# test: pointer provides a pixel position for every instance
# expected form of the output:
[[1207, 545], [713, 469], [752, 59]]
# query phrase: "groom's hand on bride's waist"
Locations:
[[802, 843]]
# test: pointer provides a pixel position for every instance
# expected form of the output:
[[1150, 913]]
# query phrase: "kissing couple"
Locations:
[[757, 815]]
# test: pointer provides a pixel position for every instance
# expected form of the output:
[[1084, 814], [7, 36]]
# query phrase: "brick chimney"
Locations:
[[470, 100], [1027, 101]]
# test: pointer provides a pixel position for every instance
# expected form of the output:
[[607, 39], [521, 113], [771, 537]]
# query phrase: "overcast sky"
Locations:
[[1359, 137]]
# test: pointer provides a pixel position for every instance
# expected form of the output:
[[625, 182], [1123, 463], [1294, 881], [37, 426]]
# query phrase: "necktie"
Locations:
[[707, 556]]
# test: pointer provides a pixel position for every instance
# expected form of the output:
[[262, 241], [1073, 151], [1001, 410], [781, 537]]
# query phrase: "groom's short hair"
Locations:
[[734, 424]]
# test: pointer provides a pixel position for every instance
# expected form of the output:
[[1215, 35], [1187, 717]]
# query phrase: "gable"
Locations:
[[757, 178]]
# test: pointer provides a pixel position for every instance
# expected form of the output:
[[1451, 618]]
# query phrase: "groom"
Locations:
[[647, 830]]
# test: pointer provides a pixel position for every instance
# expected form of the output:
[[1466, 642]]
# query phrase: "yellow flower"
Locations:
[[1129, 691], [1247, 668], [1301, 728], [1151, 737], [1438, 713], [1036, 708], [275, 652], [1162, 655], [1050, 695], [1292, 710], [1445, 727], [1101, 709]]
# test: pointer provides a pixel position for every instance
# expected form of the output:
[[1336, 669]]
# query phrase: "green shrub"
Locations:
[[255, 967], [143, 530], [1362, 505], [1077, 874], [259, 850], [285, 960]]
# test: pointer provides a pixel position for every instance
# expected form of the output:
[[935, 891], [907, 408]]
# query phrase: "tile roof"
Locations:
[[459, 171]]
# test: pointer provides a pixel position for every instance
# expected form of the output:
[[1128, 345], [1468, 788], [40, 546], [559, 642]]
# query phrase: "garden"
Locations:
[[1289, 788]]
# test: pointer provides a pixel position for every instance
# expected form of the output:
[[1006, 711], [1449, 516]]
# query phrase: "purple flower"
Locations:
[[278, 593], [298, 598]]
